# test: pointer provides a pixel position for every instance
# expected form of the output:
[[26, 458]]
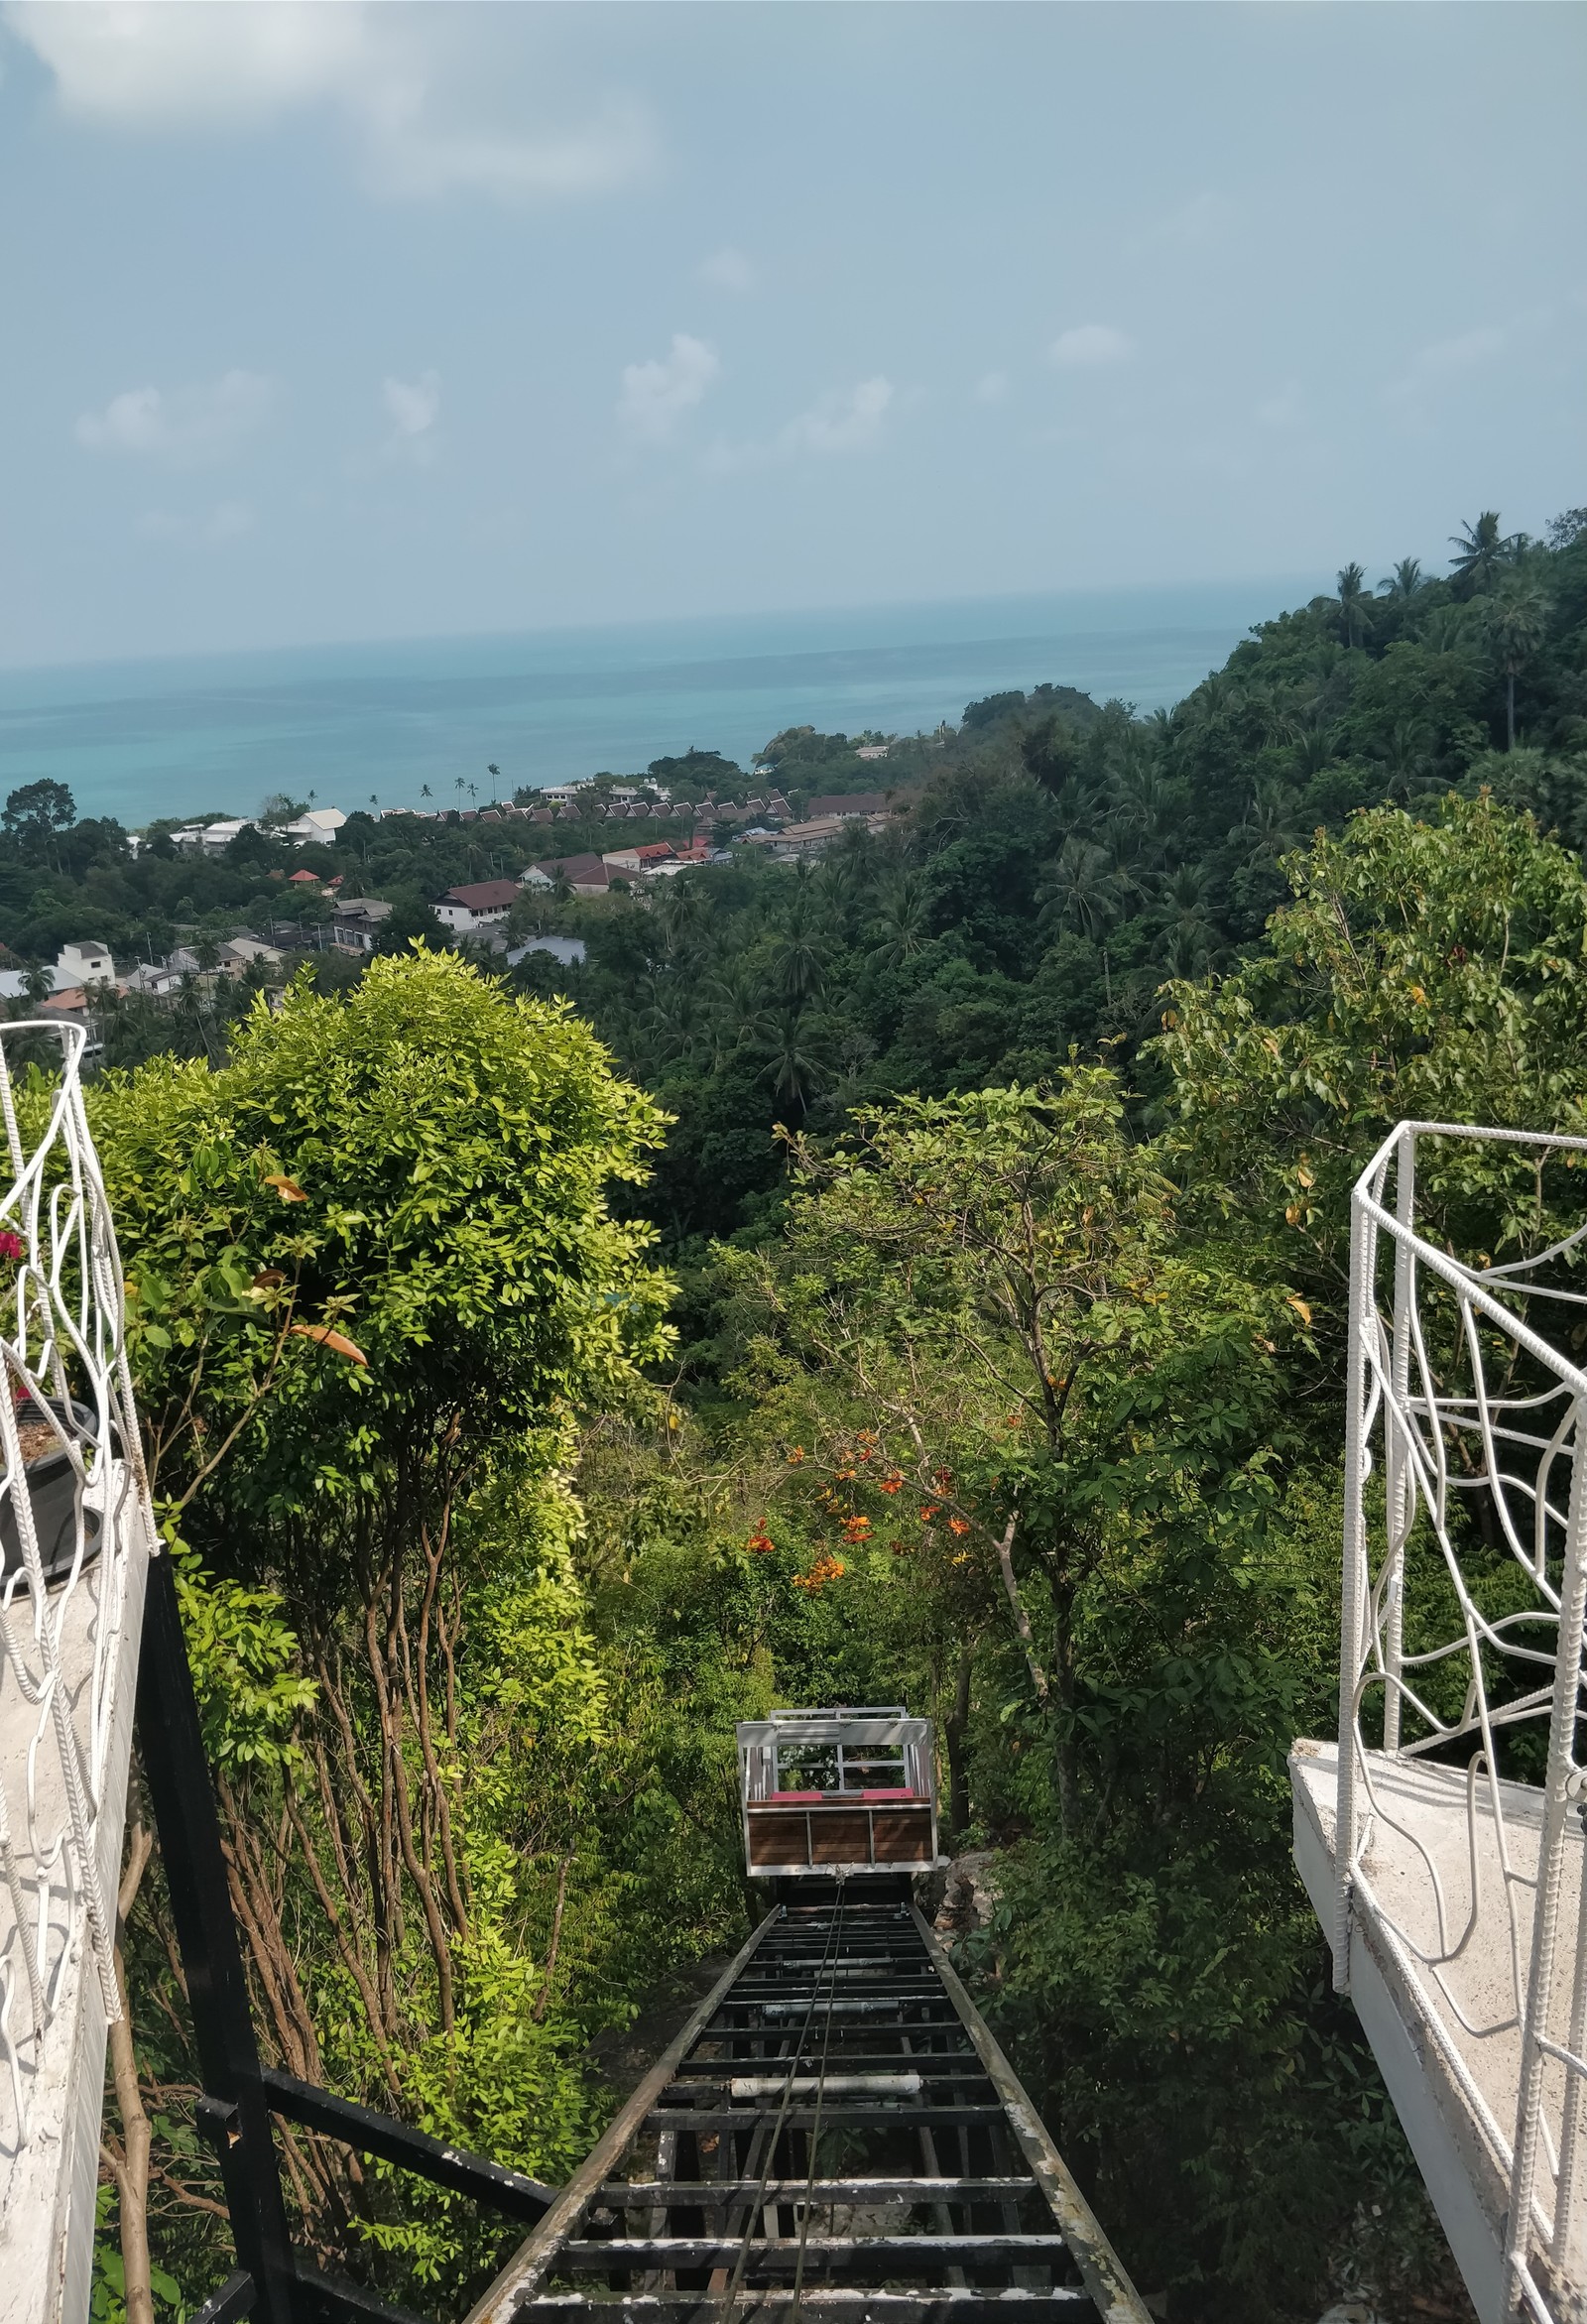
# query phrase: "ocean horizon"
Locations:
[[353, 724]]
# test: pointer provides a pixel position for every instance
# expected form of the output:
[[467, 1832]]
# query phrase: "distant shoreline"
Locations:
[[217, 732]]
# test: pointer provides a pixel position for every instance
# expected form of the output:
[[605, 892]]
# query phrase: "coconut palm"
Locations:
[[1274, 822], [1406, 752], [795, 1057], [1316, 746], [902, 917], [1080, 891], [1403, 582], [1481, 552], [1355, 602], [1519, 625]]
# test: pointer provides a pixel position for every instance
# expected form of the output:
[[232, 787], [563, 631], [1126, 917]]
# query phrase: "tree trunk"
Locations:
[[129, 2169], [953, 1734], [1509, 709]]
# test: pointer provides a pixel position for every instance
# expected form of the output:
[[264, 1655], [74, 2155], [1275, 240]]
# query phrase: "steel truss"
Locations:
[[836, 2132]]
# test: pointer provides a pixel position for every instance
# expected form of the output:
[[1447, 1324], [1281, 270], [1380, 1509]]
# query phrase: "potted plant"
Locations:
[[49, 1480]]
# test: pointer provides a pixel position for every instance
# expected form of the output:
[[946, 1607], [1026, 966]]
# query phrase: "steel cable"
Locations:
[[753, 2212]]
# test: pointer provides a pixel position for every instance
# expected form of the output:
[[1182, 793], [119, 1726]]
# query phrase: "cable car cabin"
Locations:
[[838, 1791]]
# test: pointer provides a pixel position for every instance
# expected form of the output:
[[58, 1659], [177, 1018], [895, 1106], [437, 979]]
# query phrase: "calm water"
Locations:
[[344, 723]]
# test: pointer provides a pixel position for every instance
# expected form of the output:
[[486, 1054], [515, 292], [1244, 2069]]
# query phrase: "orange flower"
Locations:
[[826, 1568], [857, 1529], [892, 1484], [759, 1541], [796, 1456], [959, 1525], [928, 1513]]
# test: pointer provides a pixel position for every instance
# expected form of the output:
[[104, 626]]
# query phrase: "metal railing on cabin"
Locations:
[[1464, 1594], [75, 1533]]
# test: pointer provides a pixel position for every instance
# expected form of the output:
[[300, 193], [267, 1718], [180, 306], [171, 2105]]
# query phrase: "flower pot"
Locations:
[[50, 1484]]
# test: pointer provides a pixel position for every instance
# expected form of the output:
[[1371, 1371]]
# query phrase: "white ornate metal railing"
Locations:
[[1465, 1587], [74, 1533]]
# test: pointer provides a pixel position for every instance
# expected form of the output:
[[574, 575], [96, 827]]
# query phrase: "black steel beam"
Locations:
[[503, 2190], [171, 1749]]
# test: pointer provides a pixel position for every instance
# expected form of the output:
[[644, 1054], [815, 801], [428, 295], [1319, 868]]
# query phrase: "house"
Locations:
[[156, 983], [848, 805], [649, 858], [796, 839], [358, 922], [321, 823], [872, 750], [586, 875], [481, 905], [244, 952], [82, 964], [301, 880], [209, 839]]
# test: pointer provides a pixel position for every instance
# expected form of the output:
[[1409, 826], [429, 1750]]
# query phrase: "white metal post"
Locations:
[[1396, 1466], [1363, 1267], [1557, 1807]]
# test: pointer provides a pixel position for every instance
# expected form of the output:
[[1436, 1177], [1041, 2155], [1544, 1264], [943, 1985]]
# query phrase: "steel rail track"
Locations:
[[834, 2133]]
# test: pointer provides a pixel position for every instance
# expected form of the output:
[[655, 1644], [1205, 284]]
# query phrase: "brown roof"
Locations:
[[859, 802], [484, 896], [577, 867]]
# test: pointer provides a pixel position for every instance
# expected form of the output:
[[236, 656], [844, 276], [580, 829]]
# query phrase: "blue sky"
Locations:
[[339, 321]]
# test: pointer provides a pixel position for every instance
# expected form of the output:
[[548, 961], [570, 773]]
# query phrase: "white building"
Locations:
[[319, 823], [484, 903], [83, 964]]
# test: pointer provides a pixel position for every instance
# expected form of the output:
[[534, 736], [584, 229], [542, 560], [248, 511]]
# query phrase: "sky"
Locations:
[[340, 322]]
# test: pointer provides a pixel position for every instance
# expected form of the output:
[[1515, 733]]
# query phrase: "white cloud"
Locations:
[[845, 420], [228, 520], [656, 394], [728, 269], [151, 65], [1205, 218], [412, 407], [1444, 359], [1088, 345], [991, 387], [189, 427], [1284, 411]]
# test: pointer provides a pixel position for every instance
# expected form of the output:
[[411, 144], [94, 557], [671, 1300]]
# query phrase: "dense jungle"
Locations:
[[915, 1275]]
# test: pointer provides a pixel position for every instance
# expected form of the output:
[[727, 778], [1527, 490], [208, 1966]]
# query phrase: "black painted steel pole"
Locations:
[[233, 2113]]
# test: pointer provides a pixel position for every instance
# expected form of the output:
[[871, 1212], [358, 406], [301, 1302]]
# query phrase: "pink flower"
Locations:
[[10, 1244]]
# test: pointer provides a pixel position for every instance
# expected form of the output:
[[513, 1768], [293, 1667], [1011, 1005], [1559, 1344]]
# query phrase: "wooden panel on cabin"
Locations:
[[778, 1836], [839, 1835], [903, 1835]]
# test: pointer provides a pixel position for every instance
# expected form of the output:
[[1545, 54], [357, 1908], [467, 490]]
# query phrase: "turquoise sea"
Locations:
[[348, 723]]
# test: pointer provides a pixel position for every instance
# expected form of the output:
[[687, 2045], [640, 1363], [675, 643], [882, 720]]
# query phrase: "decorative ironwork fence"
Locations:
[[1465, 1588], [75, 1532]]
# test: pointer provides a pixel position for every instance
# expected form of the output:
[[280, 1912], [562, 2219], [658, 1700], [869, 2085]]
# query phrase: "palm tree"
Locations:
[[902, 917], [1354, 603], [1273, 821], [1480, 551], [1519, 625], [1081, 889], [1403, 582], [1407, 751], [1314, 748], [423, 790], [495, 774], [795, 1057], [798, 966]]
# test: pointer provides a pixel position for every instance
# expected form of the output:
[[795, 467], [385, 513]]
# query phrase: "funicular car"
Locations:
[[851, 1789]]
